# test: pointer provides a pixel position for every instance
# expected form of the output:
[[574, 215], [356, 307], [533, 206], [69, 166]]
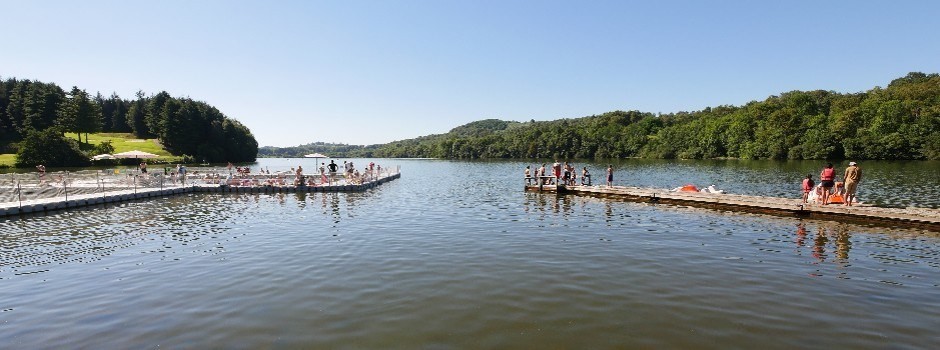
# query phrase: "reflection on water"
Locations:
[[34, 243], [828, 244]]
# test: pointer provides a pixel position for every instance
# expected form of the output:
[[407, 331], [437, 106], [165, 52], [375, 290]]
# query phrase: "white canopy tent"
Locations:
[[135, 154]]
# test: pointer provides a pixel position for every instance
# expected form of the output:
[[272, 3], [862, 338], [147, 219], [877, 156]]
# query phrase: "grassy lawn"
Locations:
[[122, 143], [7, 159], [126, 142]]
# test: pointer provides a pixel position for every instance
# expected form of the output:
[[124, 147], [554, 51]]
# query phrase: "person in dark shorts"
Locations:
[[585, 177], [566, 174], [610, 175], [827, 178]]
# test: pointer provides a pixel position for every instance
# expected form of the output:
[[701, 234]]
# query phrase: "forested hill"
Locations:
[[341, 150], [900, 121], [31, 111]]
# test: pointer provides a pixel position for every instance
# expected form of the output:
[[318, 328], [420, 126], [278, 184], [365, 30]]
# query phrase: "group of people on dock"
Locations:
[[328, 173], [563, 174], [830, 191]]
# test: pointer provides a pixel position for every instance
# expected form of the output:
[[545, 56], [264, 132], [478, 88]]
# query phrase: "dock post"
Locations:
[[19, 193]]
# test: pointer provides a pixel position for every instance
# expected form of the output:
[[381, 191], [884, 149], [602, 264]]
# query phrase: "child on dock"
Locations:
[[808, 185]]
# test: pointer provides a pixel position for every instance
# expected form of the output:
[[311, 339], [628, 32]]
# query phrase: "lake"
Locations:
[[455, 254]]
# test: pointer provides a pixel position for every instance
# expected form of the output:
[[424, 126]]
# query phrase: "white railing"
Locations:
[[32, 186]]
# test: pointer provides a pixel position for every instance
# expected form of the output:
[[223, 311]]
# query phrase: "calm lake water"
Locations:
[[456, 255]]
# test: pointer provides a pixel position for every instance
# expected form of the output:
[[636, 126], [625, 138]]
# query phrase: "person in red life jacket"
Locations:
[[827, 178], [556, 170], [808, 185]]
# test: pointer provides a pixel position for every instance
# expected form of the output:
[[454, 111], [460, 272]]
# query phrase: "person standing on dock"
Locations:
[[181, 169], [528, 175], [808, 185], [42, 173], [566, 170], [539, 173], [556, 170], [827, 178], [610, 175], [332, 168], [852, 177]]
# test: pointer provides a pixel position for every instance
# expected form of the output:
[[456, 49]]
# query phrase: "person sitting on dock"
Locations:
[[357, 177], [585, 177]]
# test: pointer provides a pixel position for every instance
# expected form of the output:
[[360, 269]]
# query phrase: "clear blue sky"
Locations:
[[365, 72]]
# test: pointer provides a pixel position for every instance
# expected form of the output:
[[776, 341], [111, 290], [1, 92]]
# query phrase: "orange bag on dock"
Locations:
[[836, 199]]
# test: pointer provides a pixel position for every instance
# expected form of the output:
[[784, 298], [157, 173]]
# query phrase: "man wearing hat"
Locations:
[[852, 176]]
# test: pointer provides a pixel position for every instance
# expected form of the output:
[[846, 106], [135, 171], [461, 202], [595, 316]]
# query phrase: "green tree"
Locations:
[[155, 115], [42, 106], [136, 117], [79, 114], [50, 148]]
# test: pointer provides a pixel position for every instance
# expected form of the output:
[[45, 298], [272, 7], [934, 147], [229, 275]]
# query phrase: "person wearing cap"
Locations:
[[852, 176]]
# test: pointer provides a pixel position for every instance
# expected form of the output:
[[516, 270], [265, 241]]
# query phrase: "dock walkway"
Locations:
[[862, 214], [107, 197]]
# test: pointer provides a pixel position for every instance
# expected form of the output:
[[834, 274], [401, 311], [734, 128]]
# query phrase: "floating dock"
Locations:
[[107, 197], [861, 214]]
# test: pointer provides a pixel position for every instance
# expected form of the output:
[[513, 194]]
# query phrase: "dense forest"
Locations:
[[901, 121], [32, 112], [329, 149]]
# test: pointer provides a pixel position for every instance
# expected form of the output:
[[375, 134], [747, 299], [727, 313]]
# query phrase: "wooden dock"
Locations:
[[108, 197], [860, 214]]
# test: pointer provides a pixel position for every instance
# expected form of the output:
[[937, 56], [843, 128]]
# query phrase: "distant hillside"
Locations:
[[474, 129], [900, 121], [337, 150]]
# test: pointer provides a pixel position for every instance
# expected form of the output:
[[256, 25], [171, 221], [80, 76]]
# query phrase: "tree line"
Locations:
[[900, 121], [32, 111]]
